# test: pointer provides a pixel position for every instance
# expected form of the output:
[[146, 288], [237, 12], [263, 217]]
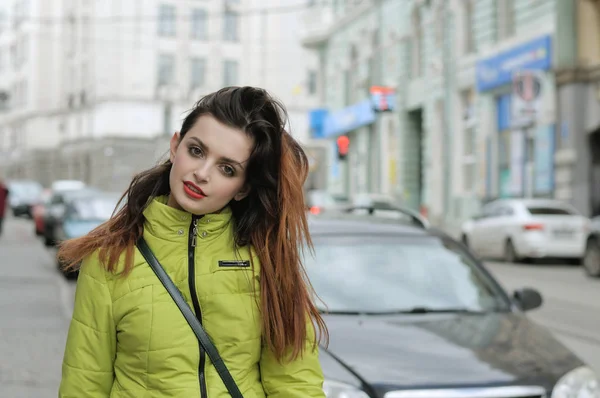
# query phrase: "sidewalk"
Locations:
[[34, 310]]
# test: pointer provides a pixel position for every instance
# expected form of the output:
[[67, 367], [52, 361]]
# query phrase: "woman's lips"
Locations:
[[193, 191]]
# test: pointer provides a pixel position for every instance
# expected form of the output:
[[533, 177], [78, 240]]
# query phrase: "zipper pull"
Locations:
[[194, 232]]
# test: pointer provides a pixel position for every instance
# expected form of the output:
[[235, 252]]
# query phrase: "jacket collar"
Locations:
[[172, 224]]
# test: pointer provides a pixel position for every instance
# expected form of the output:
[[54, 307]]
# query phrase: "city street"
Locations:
[[571, 307], [36, 304]]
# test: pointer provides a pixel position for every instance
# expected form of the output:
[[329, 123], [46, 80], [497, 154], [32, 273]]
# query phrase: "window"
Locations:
[[230, 26], [549, 211], [230, 73], [14, 56], [439, 26], [199, 28], [24, 92], [2, 22], [468, 26], [166, 20], [23, 50], [312, 82], [197, 72], [417, 43], [469, 141], [505, 19], [166, 69]]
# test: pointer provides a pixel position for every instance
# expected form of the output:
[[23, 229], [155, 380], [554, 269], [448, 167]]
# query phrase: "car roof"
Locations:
[[342, 224]]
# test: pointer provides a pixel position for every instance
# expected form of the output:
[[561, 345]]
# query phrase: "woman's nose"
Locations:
[[202, 174]]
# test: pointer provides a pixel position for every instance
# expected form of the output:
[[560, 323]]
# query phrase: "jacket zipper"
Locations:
[[192, 283]]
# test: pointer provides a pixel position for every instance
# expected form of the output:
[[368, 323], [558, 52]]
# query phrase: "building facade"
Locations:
[[578, 131], [477, 110], [100, 86]]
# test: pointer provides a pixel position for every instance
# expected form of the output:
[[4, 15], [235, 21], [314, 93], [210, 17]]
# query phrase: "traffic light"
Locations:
[[343, 142]]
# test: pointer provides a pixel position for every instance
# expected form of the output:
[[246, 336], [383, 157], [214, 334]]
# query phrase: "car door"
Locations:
[[479, 235], [499, 229]]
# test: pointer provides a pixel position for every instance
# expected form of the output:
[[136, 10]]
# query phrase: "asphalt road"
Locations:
[[571, 308], [36, 306]]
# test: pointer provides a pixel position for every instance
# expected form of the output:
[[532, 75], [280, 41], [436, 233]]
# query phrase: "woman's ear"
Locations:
[[174, 145], [242, 193]]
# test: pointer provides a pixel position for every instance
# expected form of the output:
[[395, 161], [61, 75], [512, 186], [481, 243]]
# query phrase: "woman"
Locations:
[[225, 218]]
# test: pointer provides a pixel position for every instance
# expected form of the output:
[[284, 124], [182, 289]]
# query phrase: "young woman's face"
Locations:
[[209, 166]]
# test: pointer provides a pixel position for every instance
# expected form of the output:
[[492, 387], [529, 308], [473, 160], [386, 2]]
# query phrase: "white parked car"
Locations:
[[518, 229]]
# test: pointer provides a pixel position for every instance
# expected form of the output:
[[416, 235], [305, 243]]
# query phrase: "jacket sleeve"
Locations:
[[87, 369], [302, 378]]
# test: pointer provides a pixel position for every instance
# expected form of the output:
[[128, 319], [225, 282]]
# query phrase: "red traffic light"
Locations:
[[343, 142]]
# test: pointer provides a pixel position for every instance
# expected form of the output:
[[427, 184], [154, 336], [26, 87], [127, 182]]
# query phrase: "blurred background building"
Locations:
[[94, 89], [492, 99], [440, 104]]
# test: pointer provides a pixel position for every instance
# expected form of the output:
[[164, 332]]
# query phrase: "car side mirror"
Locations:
[[528, 299]]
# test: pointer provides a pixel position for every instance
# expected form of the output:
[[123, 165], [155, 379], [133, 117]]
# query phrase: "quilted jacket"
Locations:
[[127, 337]]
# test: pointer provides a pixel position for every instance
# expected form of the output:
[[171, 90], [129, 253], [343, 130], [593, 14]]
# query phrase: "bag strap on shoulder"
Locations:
[[191, 319]]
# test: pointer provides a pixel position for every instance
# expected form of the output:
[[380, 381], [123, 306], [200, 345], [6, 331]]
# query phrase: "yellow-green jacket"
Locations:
[[128, 338]]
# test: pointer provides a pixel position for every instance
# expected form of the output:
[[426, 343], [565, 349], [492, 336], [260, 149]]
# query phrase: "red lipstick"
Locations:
[[193, 191]]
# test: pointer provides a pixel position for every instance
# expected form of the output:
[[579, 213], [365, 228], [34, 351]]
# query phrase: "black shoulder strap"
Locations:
[[194, 323]]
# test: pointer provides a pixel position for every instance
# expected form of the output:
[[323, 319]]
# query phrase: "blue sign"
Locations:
[[503, 104], [498, 70], [316, 121], [348, 119], [544, 160]]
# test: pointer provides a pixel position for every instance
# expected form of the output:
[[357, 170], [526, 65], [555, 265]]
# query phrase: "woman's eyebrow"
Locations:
[[223, 158]]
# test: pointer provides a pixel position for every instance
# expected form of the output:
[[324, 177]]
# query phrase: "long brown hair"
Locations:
[[271, 218]]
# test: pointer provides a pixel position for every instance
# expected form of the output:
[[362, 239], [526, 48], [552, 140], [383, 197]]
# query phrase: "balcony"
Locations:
[[317, 22]]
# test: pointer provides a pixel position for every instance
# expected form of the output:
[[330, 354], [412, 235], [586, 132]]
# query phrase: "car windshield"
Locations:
[[94, 208], [399, 274]]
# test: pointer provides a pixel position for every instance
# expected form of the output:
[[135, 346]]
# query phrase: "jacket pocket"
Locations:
[[234, 276], [229, 264]]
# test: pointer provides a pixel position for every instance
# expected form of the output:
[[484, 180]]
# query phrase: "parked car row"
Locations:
[[67, 210]]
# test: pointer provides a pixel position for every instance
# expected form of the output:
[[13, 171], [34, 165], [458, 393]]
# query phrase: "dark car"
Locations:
[[411, 313], [591, 258], [82, 214], [55, 209]]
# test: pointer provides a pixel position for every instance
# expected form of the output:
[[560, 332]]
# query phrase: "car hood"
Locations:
[[447, 350]]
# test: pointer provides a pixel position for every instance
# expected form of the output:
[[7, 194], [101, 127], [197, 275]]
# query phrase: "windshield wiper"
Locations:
[[326, 312], [429, 310], [415, 310]]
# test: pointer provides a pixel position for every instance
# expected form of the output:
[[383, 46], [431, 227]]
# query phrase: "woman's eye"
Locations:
[[228, 170], [195, 151]]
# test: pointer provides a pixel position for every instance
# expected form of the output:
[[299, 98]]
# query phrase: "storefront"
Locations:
[[520, 87], [350, 174]]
